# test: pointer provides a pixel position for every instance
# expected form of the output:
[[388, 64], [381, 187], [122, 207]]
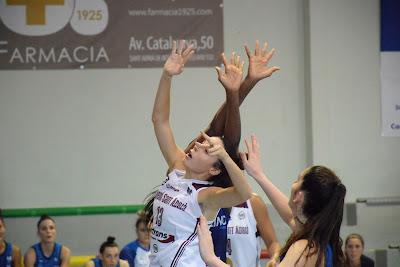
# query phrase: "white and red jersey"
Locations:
[[244, 244], [176, 212]]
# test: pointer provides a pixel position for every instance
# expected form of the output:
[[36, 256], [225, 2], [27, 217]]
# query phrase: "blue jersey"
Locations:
[[6, 256], [135, 254], [54, 260], [219, 233], [329, 256], [97, 263]]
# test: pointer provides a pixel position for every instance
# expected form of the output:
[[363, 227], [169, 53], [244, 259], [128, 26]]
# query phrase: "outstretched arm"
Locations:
[[227, 120], [258, 70], [231, 79], [161, 110], [254, 168]]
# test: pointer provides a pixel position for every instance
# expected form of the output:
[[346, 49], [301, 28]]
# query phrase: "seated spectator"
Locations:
[[10, 255], [354, 249], [108, 255], [47, 253], [137, 252]]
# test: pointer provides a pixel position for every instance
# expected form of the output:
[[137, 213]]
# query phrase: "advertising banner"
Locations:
[[69, 34]]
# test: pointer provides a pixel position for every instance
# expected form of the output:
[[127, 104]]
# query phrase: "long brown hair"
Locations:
[[323, 208]]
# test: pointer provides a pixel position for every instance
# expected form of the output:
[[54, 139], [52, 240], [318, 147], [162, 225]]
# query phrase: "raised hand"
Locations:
[[252, 163], [231, 77], [258, 62], [178, 58], [213, 146]]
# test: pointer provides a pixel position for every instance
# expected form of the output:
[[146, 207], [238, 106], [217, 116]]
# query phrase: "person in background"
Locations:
[[249, 223], [314, 212], [236, 248], [47, 253], [10, 255], [137, 252], [353, 251], [108, 255]]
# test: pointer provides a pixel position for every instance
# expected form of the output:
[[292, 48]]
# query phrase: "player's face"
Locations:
[[47, 231], [110, 256], [295, 200], [354, 249], [198, 160], [143, 234]]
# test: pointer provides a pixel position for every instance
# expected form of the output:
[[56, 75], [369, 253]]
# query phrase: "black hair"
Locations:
[[43, 218], [148, 204], [110, 242]]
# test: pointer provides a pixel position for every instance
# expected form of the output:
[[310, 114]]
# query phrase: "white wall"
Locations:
[[84, 137], [346, 111]]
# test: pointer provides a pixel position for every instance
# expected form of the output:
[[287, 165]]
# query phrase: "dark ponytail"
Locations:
[[323, 208], [43, 218], [110, 242]]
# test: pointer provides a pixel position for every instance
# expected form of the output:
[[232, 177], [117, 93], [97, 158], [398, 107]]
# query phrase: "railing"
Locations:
[[71, 211], [379, 201]]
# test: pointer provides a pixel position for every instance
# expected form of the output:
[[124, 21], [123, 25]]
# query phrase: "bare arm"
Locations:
[[299, 255], [231, 79], [254, 168], [89, 264], [206, 245], [258, 70], [264, 226], [161, 110], [30, 258], [227, 120], [65, 256], [16, 256]]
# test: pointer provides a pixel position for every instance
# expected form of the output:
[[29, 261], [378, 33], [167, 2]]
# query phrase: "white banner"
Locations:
[[70, 34], [390, 67]]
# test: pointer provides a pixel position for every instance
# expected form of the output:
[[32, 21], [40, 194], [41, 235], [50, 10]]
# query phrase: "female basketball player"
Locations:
[[108, 255], [10, 255], [314, 212], [353, 250], [188, 190], [47, 253], [249, 223], [137, 252]]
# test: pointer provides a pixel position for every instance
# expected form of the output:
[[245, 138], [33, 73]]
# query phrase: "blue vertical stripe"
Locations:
[[390, 25]]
